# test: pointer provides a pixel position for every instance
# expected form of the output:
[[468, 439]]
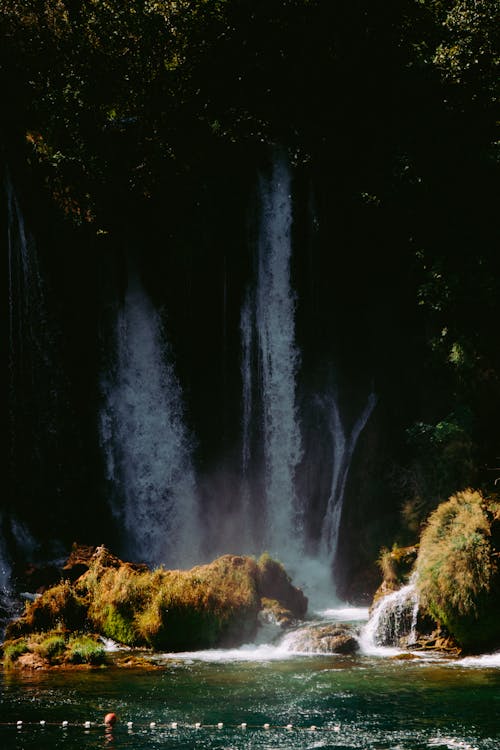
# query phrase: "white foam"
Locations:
[[451, 743], [112, 646], [249, 652], [485, 660], [345, 613]]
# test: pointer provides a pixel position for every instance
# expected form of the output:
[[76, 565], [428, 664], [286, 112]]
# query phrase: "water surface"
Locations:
[[354, 702]]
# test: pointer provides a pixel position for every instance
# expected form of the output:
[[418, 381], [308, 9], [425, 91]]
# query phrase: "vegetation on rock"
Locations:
[[171, 610], [53, 648], [457, 569]]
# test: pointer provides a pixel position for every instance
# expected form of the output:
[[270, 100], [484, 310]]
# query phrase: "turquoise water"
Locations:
[[355, 702]]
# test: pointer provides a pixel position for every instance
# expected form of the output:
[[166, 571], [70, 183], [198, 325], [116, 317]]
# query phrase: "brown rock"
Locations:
[[326, 639]]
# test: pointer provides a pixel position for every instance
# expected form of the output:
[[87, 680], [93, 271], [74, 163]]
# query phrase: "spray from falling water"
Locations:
[[268, 339], [146, 443]]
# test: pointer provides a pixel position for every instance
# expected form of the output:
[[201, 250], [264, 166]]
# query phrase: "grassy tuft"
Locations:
[[85, 649]]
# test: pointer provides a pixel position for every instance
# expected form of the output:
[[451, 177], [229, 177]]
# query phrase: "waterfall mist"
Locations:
[[146, 443]]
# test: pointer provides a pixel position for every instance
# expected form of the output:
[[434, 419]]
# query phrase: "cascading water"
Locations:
[[393, 621], [146, 443], [268, 338], [343, 447]]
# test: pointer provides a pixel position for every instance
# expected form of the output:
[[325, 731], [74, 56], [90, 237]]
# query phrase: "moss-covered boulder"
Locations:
[[167, 610], [457, 568]]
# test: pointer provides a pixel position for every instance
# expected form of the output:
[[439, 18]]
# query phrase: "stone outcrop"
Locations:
[[335, 638]]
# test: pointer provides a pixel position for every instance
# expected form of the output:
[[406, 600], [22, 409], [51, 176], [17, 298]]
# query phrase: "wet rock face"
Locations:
[[274, 584], [335, 638]]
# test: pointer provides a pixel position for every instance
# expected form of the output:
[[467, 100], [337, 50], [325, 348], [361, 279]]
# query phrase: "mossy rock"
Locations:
[[167, 610], [457, 570], [55, 648]]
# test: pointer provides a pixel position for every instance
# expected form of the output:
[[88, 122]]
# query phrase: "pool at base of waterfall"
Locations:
[[256, 697]]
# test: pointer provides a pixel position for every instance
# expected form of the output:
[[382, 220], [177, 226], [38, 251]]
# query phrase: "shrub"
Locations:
[[457, 575]]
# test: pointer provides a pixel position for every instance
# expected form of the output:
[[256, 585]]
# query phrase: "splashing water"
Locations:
[[146, 444], [393, 622]]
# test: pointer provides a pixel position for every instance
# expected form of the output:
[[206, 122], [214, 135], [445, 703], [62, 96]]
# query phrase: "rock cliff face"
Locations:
[[168, 610]]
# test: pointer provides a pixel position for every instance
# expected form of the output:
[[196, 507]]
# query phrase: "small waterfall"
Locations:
[[344, 446], [146, 443], [393, 621], [268, 339]]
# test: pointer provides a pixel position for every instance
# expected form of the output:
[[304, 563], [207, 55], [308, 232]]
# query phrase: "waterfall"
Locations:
[[268, 340], [36, 383], [393, 621], [146, 443], [343, 447]]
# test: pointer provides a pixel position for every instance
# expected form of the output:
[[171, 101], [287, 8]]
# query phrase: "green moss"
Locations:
[[117, 625], [396, 564], [211, 605]]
